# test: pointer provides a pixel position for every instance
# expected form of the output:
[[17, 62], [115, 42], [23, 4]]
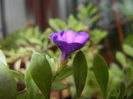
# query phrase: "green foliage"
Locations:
[[79, 72], [3, 58], [130, 96], [127, 74], [65, 72], [75, 24], [32, 91], [8, 88], [115, 76], [88, 14], [39, 66], [121, 59], [58, 86], [22, 96], [100, 69], [127, 8], [112, 97], [22, 42], [16, 74], [97, 35], [57, 24], [44, 73], [85, 18], [121, 91], [128, 40], [128, 50]]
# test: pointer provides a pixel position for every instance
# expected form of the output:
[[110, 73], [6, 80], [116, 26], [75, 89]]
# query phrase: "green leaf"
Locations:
[[128, 50], [94, 19], [32, 88], [41, 73], [48, 31], [22, 96], [17, 75], [61, 24], [79, 72], [72, 22], [130, 96], [113, 92], [112, 97], [100, 69], [121, 59], [65, 72], [121, 91], [83, 14], [89, 7], [54, 25], [57, 24], [8, 88], [97, 35], [127, 7], [93, 11], [128, 73], [58, 86], [128, 40], [3, 58]]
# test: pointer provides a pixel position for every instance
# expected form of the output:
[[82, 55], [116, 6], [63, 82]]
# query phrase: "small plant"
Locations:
[[43, 68]]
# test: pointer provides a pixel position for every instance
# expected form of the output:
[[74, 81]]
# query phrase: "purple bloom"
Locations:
[[69, 41]]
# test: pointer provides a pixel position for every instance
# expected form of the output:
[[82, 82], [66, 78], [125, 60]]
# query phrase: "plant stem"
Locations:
[[21, 92]]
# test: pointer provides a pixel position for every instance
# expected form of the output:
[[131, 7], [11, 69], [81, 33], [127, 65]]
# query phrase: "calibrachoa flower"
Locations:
[[69, 41]]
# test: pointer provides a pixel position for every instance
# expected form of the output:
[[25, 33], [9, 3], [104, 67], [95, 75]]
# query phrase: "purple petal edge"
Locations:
[[81, 38]]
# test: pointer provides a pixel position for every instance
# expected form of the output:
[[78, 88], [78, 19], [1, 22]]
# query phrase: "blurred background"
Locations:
[[23, 13], [17, 14], [26, 24]]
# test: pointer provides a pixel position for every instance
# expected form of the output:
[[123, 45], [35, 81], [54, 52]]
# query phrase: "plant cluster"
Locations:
[[84, 74]]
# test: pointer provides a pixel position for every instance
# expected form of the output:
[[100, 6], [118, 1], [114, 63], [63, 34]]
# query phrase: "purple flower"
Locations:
[[69, 41]]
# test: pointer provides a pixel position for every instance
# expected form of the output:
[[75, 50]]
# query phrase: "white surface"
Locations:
[[62, 9], [15, 14]]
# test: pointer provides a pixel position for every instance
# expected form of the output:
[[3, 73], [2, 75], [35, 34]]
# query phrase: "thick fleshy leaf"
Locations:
[[33, 92], [79, 72], [100, 69], [121, 59], [41, 73], [3, 58], [17, 75], [128, 50], [8, 87]]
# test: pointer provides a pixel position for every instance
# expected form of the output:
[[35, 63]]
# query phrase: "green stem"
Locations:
[[21, 92]]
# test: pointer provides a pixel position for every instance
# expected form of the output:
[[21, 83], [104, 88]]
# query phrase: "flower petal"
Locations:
[[68, 36], [53, 36], [68, 48], [81, 38], [74, 46], [68, 41]]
